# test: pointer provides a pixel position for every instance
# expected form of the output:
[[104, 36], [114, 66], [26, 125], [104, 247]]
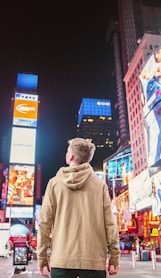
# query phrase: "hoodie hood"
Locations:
[[75, 177]]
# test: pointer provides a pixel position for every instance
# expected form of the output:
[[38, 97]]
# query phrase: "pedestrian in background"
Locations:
[[78, 206], [137, 243]]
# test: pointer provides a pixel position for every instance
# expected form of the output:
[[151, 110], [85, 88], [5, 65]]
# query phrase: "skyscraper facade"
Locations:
[[140, 47], [116, 84], [123, 36], [95, 124], [143, 109], [135, 19]]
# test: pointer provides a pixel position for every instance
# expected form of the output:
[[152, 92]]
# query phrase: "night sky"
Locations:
[[64, 42]]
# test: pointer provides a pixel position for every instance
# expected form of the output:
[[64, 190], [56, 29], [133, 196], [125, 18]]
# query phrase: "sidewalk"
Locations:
[[158, 258], [143, 269], [7, 269]]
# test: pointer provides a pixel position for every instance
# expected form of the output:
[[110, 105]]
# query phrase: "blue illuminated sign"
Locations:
[[94, 107], [27, 82], [121, 167]]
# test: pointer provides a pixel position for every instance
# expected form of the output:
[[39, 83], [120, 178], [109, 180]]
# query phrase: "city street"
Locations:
[[142, 269]]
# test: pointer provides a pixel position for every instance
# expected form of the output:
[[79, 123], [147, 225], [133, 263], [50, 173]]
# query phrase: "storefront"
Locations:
[[148, 226]]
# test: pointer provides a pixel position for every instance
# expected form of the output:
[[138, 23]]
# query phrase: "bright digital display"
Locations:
[[145, 191], [21, 185], [20, 253], [150, 78], [19, 212], [23, 142], [94, 107], [140, 191], [4, 188], [37, 213], [156, 193], [120, 167], [25, 110], [152, 129], [124, 211], [27, 81]]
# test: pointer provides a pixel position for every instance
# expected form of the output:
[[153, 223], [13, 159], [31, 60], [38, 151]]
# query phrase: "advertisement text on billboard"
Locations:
[[23, 141]]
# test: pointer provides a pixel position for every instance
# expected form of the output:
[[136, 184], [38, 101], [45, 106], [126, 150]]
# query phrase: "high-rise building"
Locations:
[[143, 91], [95, 123], [134, 38], [123, 36], [135, 19], [116, 85], [143, 94]]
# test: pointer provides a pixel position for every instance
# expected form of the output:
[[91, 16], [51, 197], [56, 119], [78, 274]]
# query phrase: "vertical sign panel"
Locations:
[[23, 145], [25, 110]]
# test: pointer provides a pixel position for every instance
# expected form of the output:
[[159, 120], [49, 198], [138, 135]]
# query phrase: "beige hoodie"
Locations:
[[78, 205]]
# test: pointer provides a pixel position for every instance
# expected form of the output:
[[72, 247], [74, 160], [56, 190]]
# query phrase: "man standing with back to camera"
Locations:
[[78, 207]]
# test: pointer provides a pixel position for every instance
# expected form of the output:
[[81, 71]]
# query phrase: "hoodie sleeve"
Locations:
[[111, 229], [46, 219]]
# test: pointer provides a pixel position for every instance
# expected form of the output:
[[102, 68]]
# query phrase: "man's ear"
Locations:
[[71, 157]]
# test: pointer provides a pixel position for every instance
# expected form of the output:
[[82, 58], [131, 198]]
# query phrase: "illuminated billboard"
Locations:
[[37, 214], [25, 110], [150, 80], [94, 107], [21, 185], [145, 191], [140, 191], [19, 212], [4, 188], [124, 211], [156, 193], [23, 142], [120, 167], [152, 127], [27, 81]]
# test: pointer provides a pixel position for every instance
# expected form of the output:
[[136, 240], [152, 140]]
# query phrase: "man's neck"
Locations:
[[73, 164]]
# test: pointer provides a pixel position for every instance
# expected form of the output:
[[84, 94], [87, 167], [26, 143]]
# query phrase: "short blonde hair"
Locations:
[[82, 149]]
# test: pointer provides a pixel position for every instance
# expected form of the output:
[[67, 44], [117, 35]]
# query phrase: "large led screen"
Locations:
[[4, 188], [156, 193], [140, 191], [21, 185], [94, 107], [25, 110], [150, 78], [145, 191], [23, 142], [120, 167], [37, 214], [19, 212], [26, 81], [152, 127]]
